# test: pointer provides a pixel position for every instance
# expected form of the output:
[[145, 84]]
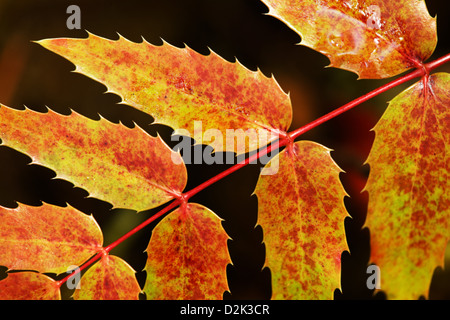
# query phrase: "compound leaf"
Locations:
[[46, 238], [29, 286], [301, 211], [181, 88], [409, 207], [187, 256], [111, 278], [373, 38], [126, 167]]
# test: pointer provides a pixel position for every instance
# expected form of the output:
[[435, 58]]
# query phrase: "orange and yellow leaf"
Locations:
[[301, 211], [373, 38], [409, 207], [187, 256], [46, 238], [180, 86], [29, 286], [111, 278], [126, 167]]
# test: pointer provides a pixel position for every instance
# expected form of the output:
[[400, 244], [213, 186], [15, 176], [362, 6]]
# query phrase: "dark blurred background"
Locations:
[[32, 76]]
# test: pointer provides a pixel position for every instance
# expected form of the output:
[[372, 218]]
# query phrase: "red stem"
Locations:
[[289, 138], [166, 209], [416, 73], [107, 249], [274, 145], [97, 256], [438, 62]]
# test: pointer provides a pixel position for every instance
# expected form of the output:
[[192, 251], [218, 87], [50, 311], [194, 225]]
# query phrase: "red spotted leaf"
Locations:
[[180, 86], [187, 256], [29, 286], [111, 278], [126, 167], [373, 38], [409, 207], [301, 211], [46, 238]]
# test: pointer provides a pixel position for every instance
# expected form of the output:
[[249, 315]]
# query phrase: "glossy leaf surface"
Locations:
[[180, 86], [187, 256], [29, 286], [373, 38], [46, 238], [126, 167], [302, 213], [409, 207], [111, 278]]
